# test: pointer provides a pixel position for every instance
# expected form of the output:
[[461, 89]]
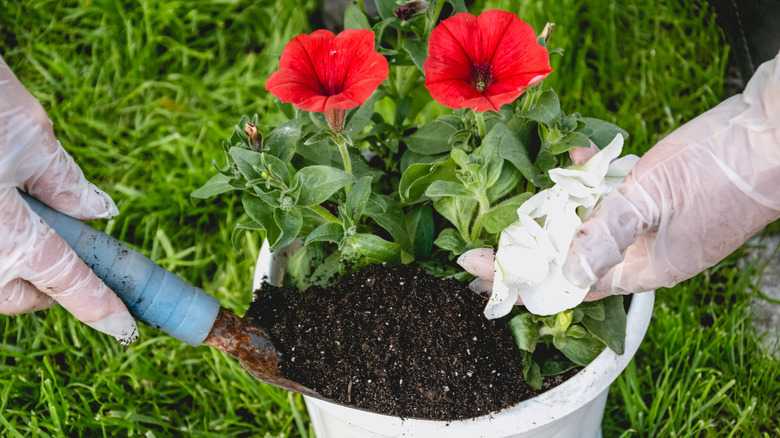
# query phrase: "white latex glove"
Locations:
[[691, 200], [37, 268]]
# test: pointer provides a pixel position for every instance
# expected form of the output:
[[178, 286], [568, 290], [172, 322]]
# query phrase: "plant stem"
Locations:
[[342, 145], [430, 23], [484, 205], [411, 78], [480, 123], [325, 214]]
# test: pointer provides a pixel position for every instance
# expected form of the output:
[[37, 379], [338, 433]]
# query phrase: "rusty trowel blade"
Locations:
[[253, 349]]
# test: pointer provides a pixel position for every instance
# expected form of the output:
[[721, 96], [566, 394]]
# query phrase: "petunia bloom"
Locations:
[[531, 251], [328, 73], [483, 62]]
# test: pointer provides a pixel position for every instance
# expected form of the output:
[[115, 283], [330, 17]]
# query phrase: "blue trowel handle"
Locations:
[[153, 295]]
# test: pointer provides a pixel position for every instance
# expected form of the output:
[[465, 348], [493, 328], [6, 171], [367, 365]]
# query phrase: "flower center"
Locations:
[[481, 76]]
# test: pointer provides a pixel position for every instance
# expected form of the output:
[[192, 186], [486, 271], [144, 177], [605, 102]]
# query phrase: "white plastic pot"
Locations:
[[573, 409]]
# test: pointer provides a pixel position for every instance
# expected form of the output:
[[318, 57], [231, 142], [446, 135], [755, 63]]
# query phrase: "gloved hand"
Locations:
[[37, 268], [690, 201]]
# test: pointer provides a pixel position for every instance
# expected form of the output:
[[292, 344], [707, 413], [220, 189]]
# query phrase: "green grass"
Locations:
[[142, 93]]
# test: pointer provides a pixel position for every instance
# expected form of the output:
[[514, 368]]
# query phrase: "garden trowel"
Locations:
[[164, 301]]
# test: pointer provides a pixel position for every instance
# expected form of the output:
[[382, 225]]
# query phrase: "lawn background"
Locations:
[[142, 93]]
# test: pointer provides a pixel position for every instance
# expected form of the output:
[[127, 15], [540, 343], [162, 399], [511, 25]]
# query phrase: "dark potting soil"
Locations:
[[397, 341]]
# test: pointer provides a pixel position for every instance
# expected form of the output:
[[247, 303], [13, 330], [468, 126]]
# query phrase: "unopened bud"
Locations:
[[255, 137], [409, 10], [544, 37]]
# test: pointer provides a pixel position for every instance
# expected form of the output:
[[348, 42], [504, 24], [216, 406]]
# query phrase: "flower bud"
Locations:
[[255, 137], [409, 10]]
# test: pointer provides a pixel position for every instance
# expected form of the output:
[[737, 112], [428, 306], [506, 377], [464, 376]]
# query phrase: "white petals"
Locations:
[[619, 169], [532, 250]]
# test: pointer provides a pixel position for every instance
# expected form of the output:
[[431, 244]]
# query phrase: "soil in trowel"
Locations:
[[397, 341]]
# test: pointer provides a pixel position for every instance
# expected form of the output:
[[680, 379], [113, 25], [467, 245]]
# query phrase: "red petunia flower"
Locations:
[[328, 73], [483, 62]]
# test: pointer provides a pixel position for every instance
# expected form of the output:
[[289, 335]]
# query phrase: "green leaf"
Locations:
[[358, 118], [402, 109], [563, 320], [531, 371], [354, 18], [491, 144], [461, 158], [318, 137], [512, 149], [602, 133], [458, 210], [525, 331], [299, 268], [290, 223], [271, 197], [318, 183], [575, 331], [491, 171], [216, 185], [325, 273], [263, 214], [438, 189], [570, 123], [328, 232], [441, 270], [275, 167], [248, 161], [418, 51], [570, 141], [547, 108], [386, 8], [417, 177], [546, 160], [487, 156], [450, 240], [420, 226], [504, 214], [552, 367], [409, 158], [379, 28], [318, 153], [372, 249], [239, 229], [358, 196], [612, 328], [390, 217], [238, 137], [508, 180], [285, 107], [283, 140], [582, 350], [432, 138], [458, 6], [559, 341], [592, 309], [319, 120]]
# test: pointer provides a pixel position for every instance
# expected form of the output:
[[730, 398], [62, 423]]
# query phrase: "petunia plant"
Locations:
[[412, 137]]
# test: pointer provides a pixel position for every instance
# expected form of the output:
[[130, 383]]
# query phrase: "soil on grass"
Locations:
[[397, 341]]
